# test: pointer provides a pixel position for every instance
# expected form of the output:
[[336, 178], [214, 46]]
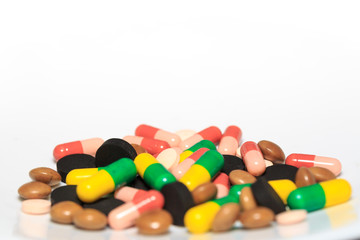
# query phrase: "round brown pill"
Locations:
[[304, 177], [241, 177], [204, 193], [322, 174], [45, 175], [139, 149], [247, 200], [34, 190], [271, 151], [226, 217], [64, 212], [257, 218], [154, 222], [90, 219]]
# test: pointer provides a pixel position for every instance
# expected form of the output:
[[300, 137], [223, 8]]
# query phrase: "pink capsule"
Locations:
[[87, 146], [307, 160], [230, 140], [151, 132], [222, 184], [211, 133], [125, 215], [169, 157], [127, 194], [151, 145], [253, 158]]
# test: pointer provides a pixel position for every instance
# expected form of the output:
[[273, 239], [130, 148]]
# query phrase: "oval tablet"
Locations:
[[90, 219], [34, 190], [45, 175], [291, 217], [64, 212], [168, 158], [225, 217], [36, 206], [154, 222], [241, 177]]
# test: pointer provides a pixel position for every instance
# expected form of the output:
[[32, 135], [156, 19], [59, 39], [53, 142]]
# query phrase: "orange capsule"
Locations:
[[87, 146]]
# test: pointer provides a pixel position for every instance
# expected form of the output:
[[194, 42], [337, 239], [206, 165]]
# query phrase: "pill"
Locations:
[[280, 171], [185, 133], [153, 173], [127, 194], [241, 177], [76, 176], [178, 200], [35, 206], [154, 222], [139, 183], [34, 190], [87, 146], [45, 175], [139, 149], [257, 218], [152, 146], [304, 177], [168, 158], [320, 195], [90, 219], [116, 174], [112, 150], [322, 174], [74, 161], [272, 152], [204, 192], [222, 184], [64, 212], [152, 132], [64, 193], [230, 140], [125, 215], [268, 163], [104, 205], [202, 144], [247, 200], [231, 163], [179, 170], [203, 170], [283, 187], [253, 158], [306, 160], [291, 217], [266, 196], [225, 217], [211, 133]]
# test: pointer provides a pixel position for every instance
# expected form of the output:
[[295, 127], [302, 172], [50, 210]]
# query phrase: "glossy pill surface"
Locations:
[[257, 218], [230, 140], [211, 133], [304, 177], [225, 217], [45, 175], [272, 152], [291, 217], [322, 174], [253, 158], [241, 177], [154, 222], [36, 206], [90, 219], [64, 212], [247, 200], [34, 190], [204, 193], [222, 184], [144, 130]]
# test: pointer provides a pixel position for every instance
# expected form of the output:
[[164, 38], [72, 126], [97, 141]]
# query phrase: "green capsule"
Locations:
[[157, 176], [212, 161], [122, 171], [202, 144]]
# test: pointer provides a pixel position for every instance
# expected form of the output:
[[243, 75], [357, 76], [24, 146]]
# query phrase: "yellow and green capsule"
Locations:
[[202, 144], [283, 187], [76, 176]]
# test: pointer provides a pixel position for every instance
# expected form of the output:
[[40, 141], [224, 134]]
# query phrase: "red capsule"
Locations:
[[87, 146], [230, 140], [151, 145], [151, 132], [128, 194], [253, 158], [211, 133], [222, 184]]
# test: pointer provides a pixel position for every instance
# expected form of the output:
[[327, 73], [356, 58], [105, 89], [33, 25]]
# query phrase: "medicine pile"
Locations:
[[203, 181]]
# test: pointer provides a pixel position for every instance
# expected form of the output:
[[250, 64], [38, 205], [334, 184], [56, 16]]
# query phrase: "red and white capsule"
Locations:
[[211, 133], [253, 158], [222, 184], [128, 194], [307, 160], [152, 132], [230, 140], [87, 146], [152, 146]]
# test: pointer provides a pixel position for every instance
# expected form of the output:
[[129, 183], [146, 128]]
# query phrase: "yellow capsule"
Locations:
[[143, 161], [95, 187], [76, 176], [195, 176], [283, 188], [336, 191], [199, 218], [184, 155]]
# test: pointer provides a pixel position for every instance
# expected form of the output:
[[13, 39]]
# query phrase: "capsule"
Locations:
[[211, 133], [152, 132], [76, 176], [307, 160], [185, 165], [230, 140], [253, 158], [283, 188], [320, 195], [152, 146], [153, 172], [222, 184], [127, 194], [125, 215], [106, 180], [87, 146], [203, 170], [202, 144]]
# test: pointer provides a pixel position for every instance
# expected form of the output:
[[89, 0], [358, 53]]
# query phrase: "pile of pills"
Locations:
[[204, 181]]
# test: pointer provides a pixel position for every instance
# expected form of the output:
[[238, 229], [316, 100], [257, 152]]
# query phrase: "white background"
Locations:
[[284, 71]]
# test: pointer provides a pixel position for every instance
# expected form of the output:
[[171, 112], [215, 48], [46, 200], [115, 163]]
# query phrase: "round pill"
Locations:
[[241, 177], [45, 175], [35, 206], [225, 217], [304, 177], [64, 193], [257, 218], [34, 190], [280, 171], [168, 158], [247, 200], [139, 149], [104, 205], [231, 163], [291, 217], [90, 219], [154, 222], [322, 174], [272, 152], [64, 212], [112, 150], [204, 192], [185, 133], [74, 161]]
